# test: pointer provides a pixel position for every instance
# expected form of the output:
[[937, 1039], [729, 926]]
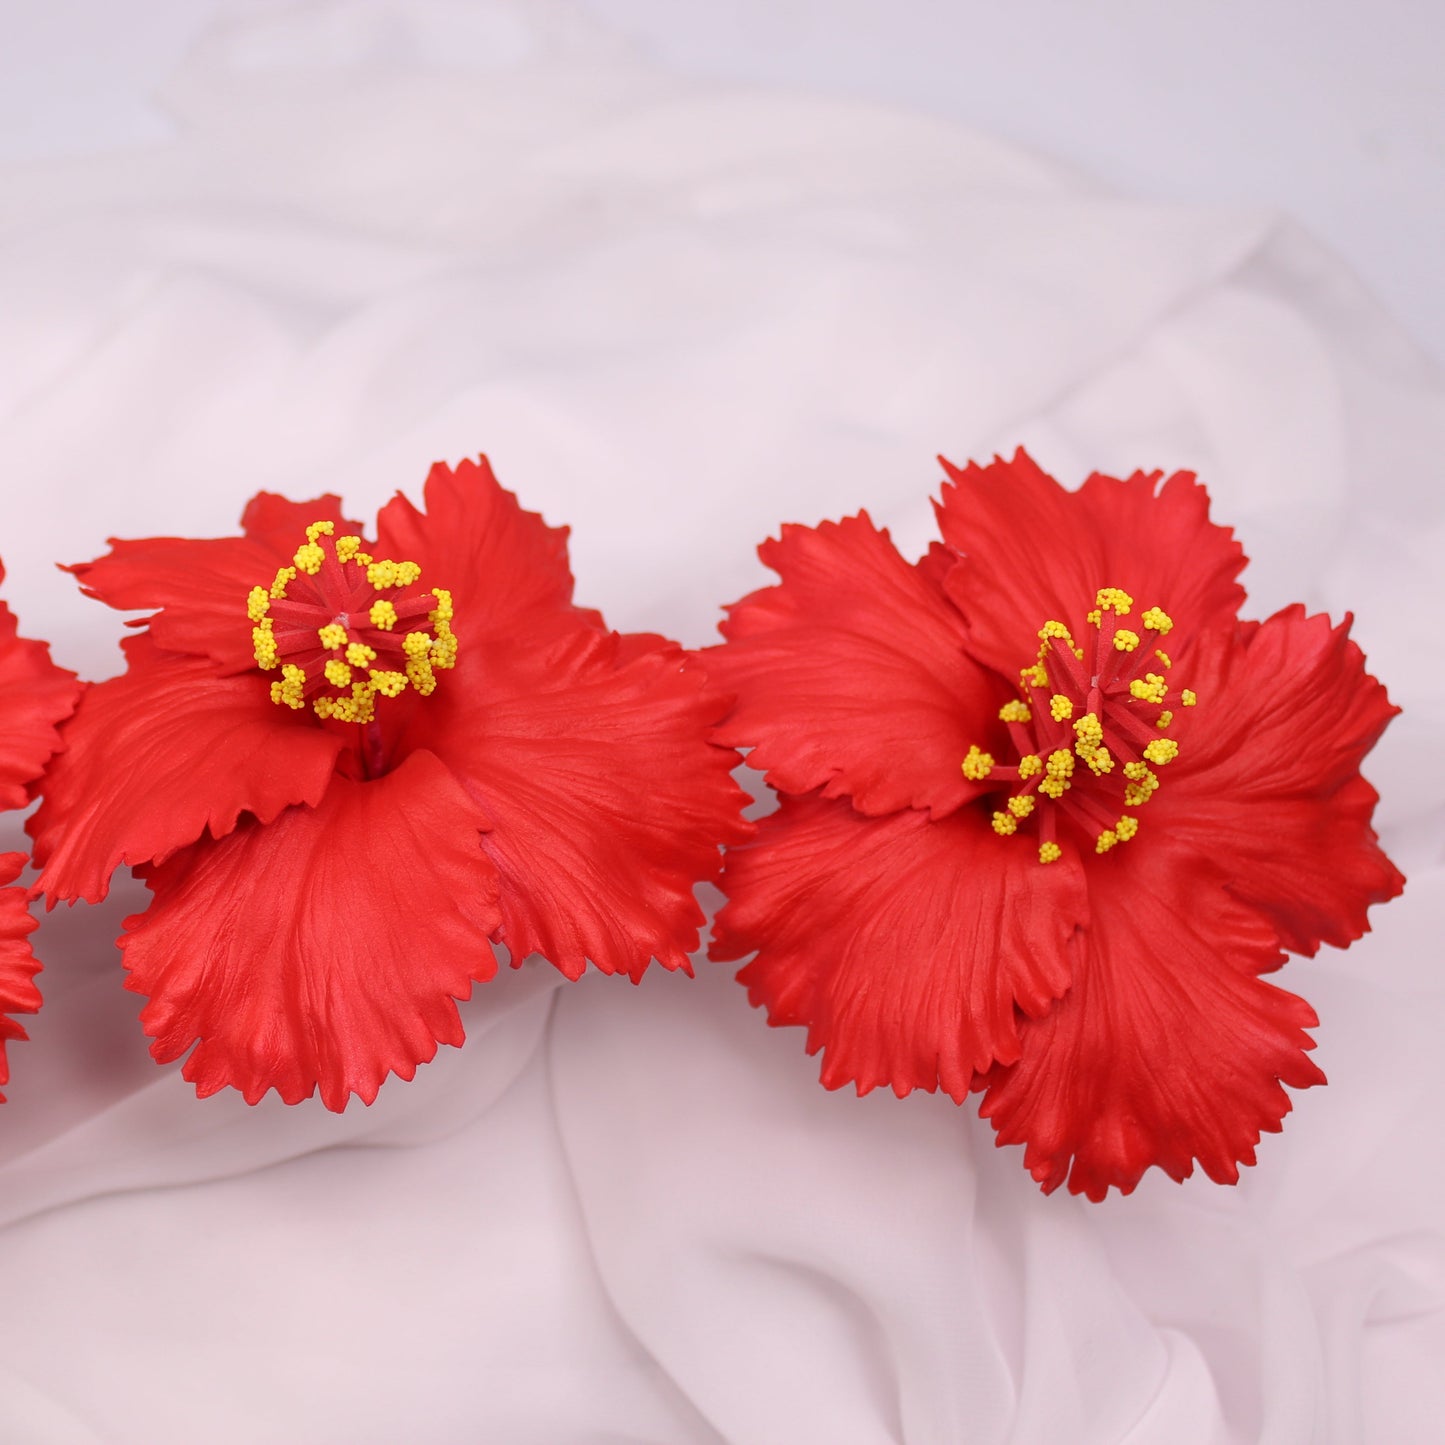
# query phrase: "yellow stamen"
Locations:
[[1060, 707], [1060, 769], [1030, 765], [1126, 641], [1036, 676], [1161, 751], [1164, 719], [290, 691], [1188, 697], [1021, 806], [392, 574], [977, 765], [309, 557], [1113, 599], [1016, 711], [1050, 852], [1150, 688], [1105, 840], [1004, 824], [1126, 827], [1156, 619], [414, 658], [263, 643]]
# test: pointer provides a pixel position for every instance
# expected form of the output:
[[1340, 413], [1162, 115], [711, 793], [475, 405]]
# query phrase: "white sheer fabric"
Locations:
[[675, 317]]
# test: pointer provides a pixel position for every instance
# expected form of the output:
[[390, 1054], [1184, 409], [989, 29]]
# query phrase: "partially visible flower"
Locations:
[[1049, 810], [342, 767], [35, 695]]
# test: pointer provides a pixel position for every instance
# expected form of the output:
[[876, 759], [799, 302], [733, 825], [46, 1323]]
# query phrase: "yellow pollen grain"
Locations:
[[1037, 675], [284, 577], [419, 674], [416, 644], [320, 529], [1126, 827], [1163, 657], [1188, 697], [1060, 764], [1050, 852], [977, 765], [358, 654], [258, 603], [1060, 707], [1150, 688], [309, 557], [1016, 711], [1096, 617], [1126, 641], [392, 574], [1030, 765], [290, 691], [388, 684], [1142, 786], [338, 674], [442, 612], [1164, 719], [1113, 599], [1004, 824], [347, 548], [1161, 751], [1156, 619], [1021, 806], [1105, 840], [382, 615], [332, 635], [263, 643]]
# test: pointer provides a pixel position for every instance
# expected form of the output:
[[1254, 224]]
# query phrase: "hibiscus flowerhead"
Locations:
[[1049, 809], [34, 696], [345, 768]]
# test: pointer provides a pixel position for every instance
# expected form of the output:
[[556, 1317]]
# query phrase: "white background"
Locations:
[[1329, 111], [344, 245]]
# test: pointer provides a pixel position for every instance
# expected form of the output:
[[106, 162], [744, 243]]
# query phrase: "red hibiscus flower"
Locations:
[[34, 696], [344, 767], [1049, 810]]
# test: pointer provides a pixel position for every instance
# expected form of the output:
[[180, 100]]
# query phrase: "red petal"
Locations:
[[850, 674], [36, 696], [201, 585], [156, 756], [18, 966], [607, 801], [1267, 782], [280, 524], [505, 568], [903, 944], [1035, 552], [324, 949], [1167, 1048]]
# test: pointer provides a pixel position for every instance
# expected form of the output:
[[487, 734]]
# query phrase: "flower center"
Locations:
[[343, 627], [1087, 730]]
